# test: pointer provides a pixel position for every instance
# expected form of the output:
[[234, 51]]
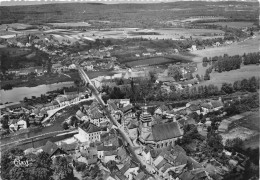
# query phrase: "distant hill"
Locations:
[[125, 14]]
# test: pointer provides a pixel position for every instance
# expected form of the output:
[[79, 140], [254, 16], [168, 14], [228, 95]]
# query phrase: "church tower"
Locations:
[[146, 120], [145, 127]]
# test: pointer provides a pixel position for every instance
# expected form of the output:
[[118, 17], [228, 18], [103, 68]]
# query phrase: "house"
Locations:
[[97, 82], [161, 110], [59, 68], [165, 79], [80, 115], [119, 102], [130, 169], [140, 176], [128, 111], [69, 148], [107, 153], [11, 106], [147, 155], [90, 154], [193, 48], [217, 104], [122, 155], [137, 55], [132, 130], [96, 116], [22, 124], [53, 150], [88, 132], [158, 53], [217, 44], [206, 108], [146, 54], [193, 108], [72, 66], [223, 127]]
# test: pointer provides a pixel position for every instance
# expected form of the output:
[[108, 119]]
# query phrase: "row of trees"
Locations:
[[251, 58], [228, 63], [250, 85], [145, 89]]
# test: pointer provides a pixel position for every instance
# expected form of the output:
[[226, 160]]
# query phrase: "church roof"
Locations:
[[166, 131]]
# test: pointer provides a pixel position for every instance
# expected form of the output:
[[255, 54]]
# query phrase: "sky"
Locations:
[[34, 2]]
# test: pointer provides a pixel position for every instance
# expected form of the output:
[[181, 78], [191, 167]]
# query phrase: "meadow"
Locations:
[[251, 121], [245, 72], [239, 48]]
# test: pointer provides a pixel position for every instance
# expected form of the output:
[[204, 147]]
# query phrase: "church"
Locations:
[[157, 135]]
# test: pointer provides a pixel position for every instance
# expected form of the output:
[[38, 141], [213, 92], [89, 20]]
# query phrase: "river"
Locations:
[[19, 93]]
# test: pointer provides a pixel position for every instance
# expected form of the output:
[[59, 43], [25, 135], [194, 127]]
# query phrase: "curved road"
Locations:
[[97, 95]]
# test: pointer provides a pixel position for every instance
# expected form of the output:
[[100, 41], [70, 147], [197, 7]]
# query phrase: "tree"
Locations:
[[237, 85], [215, 141], [227, 88], [73, 121], [92, 172], [39, 166], [207, 76], [244, 85], [5, 121], [62, 169], [234, 144], [152, 76], [7, 159], [65, 125], [252, 84]]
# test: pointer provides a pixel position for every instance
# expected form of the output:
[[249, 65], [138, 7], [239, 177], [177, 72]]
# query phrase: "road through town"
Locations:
[[123, 134]]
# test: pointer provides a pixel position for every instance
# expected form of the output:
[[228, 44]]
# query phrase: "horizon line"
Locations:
[[44, 2]]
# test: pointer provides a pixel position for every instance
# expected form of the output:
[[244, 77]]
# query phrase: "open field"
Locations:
[[157, 61], [234, 24], [149, 61], [71, 24], [176, 33], [244, 72], [250, 121], [250, 45]]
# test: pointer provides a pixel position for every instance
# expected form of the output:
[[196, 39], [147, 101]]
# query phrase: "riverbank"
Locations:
[[52, 79], [19, 93]]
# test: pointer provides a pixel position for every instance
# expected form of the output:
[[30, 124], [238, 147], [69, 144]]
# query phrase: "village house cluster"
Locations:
[[20, 115], [154, 137]]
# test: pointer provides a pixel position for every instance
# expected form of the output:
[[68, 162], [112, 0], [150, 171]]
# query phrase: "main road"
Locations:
[[148, 168]]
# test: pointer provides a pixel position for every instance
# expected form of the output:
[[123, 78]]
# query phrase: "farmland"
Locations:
[[176, 33], [233, 24]]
